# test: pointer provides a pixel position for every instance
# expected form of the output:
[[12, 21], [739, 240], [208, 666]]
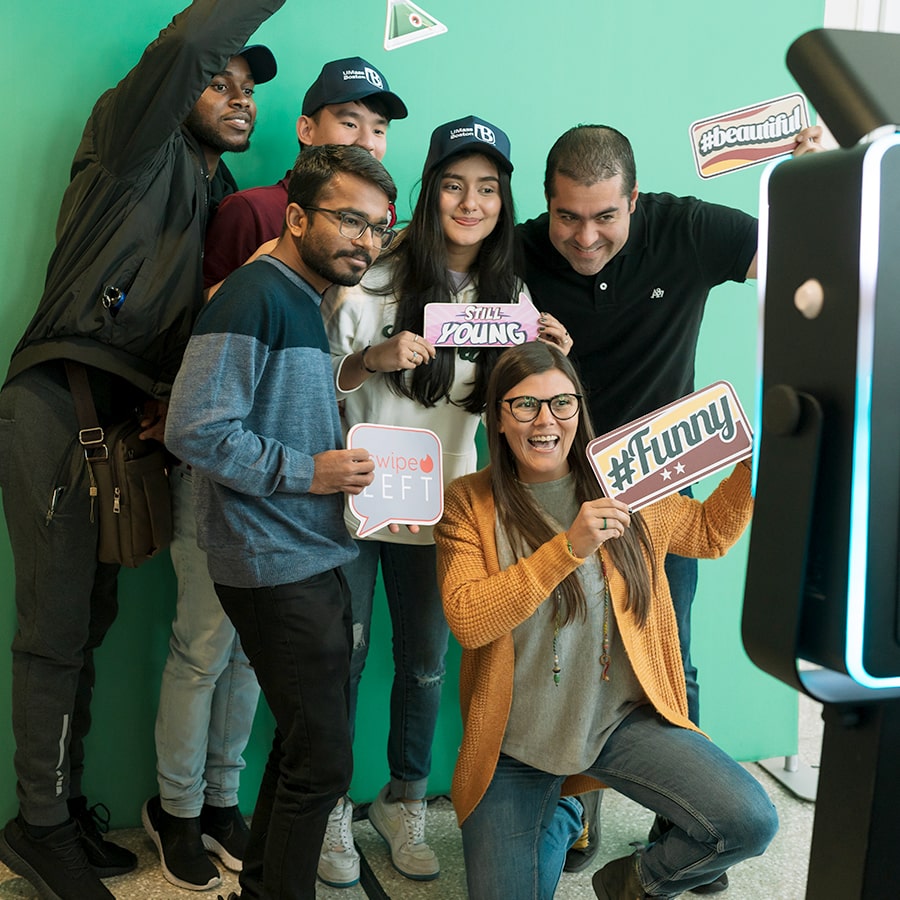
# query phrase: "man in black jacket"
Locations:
[[122, 290]]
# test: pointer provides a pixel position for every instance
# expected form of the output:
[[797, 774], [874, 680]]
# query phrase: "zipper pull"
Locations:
[[92, 491], [116, 494], [54, 500]]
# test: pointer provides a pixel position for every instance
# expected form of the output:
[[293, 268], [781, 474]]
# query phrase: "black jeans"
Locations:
[[298, 639], [66, 600]]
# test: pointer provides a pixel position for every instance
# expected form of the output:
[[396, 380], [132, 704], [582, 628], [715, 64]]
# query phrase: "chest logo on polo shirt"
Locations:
[[657, 293]]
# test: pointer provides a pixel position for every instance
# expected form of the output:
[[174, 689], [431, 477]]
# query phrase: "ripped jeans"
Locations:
[[420, 635]]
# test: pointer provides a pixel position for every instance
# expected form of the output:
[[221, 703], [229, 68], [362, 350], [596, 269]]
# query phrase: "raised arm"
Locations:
[[134, 119]]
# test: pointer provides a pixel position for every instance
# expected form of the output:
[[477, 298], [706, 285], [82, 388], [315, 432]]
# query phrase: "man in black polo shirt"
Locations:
[[629, 274]]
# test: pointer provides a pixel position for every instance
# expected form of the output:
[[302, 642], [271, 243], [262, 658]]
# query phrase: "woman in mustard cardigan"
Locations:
[[571, 675]]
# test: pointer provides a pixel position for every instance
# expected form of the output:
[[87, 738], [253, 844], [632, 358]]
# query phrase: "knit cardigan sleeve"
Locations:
[[481, 602]]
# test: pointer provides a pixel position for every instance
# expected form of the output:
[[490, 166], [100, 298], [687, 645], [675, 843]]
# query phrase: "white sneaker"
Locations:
[[339, 861], [402, 825]]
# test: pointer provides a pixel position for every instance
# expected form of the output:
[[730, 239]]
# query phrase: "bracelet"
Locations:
[[571, 551], [362, 359]]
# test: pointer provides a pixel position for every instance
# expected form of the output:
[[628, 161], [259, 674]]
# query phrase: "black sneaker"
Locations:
[[181, 852], [106, 858], [55, 864], [225, 833], [714, 887]]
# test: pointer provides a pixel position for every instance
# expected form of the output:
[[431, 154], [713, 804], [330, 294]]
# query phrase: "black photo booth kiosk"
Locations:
[[822, 600]]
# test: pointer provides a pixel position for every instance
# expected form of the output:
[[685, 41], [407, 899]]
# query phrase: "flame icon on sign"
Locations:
[[427, 464]]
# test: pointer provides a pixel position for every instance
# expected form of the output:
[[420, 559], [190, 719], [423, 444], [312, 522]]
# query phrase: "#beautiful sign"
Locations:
[[482, 324], [408, 485], [748, 136], [671, 448]]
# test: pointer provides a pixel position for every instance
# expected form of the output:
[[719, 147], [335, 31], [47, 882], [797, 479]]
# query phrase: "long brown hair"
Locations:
[[524, 521]]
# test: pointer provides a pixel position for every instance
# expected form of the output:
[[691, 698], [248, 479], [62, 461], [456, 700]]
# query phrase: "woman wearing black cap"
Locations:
[[458, 248]]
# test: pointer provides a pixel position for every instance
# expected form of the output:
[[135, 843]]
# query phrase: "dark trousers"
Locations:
[[298, 639], [65, 600]]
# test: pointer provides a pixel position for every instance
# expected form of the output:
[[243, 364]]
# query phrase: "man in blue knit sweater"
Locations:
[[253, 410]]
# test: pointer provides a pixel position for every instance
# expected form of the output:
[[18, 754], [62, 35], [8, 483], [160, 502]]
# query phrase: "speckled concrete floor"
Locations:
[[778, 875]]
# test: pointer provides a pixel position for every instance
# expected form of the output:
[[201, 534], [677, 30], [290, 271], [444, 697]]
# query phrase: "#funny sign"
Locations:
[[671, 448], [408, 485], [481, 324]]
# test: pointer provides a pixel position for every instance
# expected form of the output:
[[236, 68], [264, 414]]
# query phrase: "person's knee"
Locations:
[[430, 680], [755, 828]]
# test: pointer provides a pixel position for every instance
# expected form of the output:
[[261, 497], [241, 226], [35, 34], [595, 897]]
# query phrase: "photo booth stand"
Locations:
[[822, 598]]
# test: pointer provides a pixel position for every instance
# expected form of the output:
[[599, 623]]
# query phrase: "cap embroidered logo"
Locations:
[[374, 78], [484, 134]]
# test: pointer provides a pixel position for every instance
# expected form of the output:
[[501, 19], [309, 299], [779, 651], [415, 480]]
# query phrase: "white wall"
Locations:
[[863, 15]]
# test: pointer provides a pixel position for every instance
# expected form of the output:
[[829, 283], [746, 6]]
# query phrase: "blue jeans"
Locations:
[[209, 692], [720, 813], [420, 635], [564, 828], [297, 637], [681, 573]]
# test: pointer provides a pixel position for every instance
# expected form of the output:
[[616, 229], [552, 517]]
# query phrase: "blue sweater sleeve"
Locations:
[[213, 403]]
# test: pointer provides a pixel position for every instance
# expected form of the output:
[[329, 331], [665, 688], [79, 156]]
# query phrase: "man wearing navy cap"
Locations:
[[209, 692], [132, 221], [349, 103]]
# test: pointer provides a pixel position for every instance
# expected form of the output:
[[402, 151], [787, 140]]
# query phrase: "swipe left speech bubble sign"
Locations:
[[408, 486], [481, 324]]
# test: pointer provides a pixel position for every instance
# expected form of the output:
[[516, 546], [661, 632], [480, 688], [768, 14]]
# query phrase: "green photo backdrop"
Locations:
[[648, 67]]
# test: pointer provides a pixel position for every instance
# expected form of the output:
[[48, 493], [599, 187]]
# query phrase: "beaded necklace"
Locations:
[[604, 650]]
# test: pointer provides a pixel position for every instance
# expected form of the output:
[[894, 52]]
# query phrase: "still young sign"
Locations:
[[482, 324]]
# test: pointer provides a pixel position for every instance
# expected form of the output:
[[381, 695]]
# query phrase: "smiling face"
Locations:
[[540, 447], [470, 205], [589, 223], [345, 123], [223, 117]]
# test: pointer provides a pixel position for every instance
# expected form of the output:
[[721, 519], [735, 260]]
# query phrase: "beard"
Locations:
[[208, 135], [325, 264]]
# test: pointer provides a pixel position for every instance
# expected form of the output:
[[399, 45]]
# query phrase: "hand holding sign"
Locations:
[[404, 350], [408, 484]]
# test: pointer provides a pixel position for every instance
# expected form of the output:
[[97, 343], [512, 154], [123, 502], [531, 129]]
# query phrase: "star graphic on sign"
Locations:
[[679, 468], [666, 474]]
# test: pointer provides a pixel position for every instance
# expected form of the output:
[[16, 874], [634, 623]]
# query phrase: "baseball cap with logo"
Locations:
[[342, 80], [261, 61], [471, 134]]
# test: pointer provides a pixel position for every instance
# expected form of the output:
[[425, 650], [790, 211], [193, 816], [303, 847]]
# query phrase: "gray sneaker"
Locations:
[[402, 825], [339, 861]]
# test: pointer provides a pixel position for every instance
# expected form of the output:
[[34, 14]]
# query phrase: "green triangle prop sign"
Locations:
[[408, 23]]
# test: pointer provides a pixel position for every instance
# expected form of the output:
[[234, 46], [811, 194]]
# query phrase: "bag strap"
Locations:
[[90, 433]]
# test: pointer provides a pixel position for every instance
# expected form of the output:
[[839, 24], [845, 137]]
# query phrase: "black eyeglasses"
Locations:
[[354, 226], [527, 409]]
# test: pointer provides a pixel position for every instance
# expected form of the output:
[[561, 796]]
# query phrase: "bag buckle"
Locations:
[[92, 440]]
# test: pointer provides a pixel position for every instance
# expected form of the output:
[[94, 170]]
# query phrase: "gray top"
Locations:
[[561, 728]]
